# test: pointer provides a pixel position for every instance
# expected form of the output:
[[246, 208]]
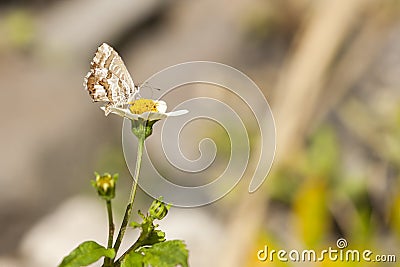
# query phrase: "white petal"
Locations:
[[119, 111], [152, 116], [131, 116], [124, 113], [161, 106]]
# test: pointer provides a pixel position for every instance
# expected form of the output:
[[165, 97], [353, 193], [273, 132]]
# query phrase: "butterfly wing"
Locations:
[[108, 79]]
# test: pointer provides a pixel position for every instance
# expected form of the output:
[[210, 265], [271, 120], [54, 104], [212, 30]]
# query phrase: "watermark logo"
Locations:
[[341, 243], [249, 135], [331, 254]]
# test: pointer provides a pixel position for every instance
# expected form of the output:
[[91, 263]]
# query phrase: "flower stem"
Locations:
[[129, 207], [107, 261], [110, 224]]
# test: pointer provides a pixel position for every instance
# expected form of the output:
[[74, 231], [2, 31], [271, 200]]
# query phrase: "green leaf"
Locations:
[[85, 254], [133, 259], [165, 254]]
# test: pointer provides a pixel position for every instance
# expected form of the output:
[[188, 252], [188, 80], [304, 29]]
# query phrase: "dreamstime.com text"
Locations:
[[331, 254]]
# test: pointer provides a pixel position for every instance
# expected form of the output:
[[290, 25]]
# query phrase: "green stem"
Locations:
[[111, 228], [135, 246], [129, 207]]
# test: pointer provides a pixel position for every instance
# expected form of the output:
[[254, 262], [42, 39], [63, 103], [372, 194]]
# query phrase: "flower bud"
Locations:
[[105, 185], [158, 210]]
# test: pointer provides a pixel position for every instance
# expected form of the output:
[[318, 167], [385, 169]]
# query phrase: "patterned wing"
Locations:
[[108, 79]]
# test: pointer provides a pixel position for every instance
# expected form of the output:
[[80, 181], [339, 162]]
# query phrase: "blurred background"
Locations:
[[329, 69]]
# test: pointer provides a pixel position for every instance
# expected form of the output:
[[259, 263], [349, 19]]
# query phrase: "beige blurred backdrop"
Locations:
[[329, 69]]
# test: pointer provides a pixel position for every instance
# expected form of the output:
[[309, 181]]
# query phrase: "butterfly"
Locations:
[[109, 80]]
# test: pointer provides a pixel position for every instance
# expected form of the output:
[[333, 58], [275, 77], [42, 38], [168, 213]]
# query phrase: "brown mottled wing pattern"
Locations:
[[108, 79]]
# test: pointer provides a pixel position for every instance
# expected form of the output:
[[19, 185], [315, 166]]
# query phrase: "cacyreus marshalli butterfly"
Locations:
[[109, 80]]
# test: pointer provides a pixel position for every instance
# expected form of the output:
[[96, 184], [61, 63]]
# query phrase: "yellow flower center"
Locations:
[[143, 105]]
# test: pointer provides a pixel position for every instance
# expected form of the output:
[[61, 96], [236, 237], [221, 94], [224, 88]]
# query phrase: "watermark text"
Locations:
[[340, 253]]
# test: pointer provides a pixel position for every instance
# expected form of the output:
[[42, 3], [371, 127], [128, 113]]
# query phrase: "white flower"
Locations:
[[146, 109]]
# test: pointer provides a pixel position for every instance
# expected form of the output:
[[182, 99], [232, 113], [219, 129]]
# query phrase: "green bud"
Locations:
[[158, 210], [105, 185]]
